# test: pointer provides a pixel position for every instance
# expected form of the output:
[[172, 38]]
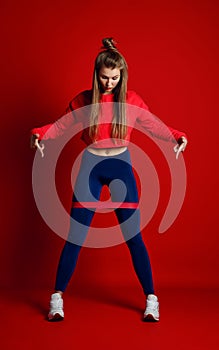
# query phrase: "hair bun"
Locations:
[[109, 44]]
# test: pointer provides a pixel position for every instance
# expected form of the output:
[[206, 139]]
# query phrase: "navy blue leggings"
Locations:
[[95, 172]]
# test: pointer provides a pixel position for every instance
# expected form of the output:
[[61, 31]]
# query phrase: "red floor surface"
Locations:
[[104, 317]]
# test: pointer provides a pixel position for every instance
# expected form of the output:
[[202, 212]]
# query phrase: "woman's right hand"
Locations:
[[33, 140], [34, 143]]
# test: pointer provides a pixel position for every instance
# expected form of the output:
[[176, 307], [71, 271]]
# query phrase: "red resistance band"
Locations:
[[105, 205]]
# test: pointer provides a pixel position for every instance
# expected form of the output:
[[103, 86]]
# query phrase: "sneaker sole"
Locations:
[[150, 318], [55, 318]]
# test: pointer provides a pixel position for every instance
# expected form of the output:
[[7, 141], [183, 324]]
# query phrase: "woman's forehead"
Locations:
[[109, 72]]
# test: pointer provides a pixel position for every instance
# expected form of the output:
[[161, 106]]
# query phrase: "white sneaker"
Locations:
[[152, 308], [56, 312]]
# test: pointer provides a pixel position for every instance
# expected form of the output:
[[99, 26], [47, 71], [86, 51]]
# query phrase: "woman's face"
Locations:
[[108, 79]]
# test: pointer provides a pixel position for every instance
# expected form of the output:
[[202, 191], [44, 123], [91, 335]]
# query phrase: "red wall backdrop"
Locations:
[[48, 49]]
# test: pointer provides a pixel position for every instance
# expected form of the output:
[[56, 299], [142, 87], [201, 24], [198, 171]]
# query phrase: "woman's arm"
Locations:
[[50, 131], [155, 127], [56, 129]]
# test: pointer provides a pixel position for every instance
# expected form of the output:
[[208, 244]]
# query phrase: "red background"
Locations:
[[48, 49]]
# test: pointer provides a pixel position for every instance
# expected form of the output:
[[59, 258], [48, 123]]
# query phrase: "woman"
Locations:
[[106, 159]]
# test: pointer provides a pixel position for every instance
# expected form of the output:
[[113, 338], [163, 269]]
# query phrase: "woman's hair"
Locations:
[[110, 57]]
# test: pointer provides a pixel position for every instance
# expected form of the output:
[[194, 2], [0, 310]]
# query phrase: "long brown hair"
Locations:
[[110, 57]]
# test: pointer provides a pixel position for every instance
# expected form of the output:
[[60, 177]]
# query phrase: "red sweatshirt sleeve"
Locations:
[[153, 125], [52, 131], [56, 129]]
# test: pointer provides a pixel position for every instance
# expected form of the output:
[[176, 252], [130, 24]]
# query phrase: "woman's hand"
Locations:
[[34, 143], [181, 146]]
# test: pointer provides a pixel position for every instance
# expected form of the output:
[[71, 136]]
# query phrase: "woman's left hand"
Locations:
[[180, 147]]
